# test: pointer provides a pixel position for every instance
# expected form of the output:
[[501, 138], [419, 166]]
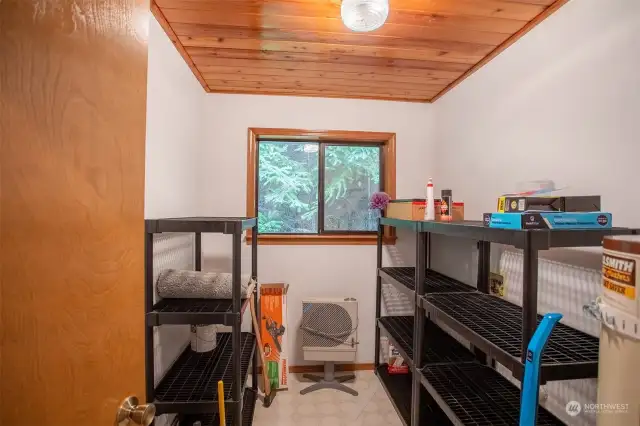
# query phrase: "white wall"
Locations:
[[563, 104], [175, 133], [311, 271]]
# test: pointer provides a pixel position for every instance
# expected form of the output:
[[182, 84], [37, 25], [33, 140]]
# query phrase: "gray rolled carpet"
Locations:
[[179, 284]]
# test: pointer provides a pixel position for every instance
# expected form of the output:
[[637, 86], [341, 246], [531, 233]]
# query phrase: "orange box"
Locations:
[[273, 330], [414, 210]]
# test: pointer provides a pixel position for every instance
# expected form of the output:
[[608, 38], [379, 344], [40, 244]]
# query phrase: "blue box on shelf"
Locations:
[[548, 220]]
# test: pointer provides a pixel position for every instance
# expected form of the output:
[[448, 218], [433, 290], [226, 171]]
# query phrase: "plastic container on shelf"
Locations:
[[203, 337], [618, 389]]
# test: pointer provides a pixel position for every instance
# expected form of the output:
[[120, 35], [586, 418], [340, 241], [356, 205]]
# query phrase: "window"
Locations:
[[314, 187]]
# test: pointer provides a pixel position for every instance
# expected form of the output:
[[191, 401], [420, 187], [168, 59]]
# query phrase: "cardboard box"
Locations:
[[515, 203], [395, 363], [406, 209], [274, 332], [413, 209], [548, 220]]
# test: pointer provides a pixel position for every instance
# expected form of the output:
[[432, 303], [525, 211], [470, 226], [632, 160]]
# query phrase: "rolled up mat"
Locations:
[[178, 284]]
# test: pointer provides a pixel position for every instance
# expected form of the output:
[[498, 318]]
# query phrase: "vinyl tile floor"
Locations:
[[329, 407]]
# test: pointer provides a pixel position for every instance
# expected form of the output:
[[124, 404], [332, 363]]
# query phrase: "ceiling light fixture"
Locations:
[[364, 15]]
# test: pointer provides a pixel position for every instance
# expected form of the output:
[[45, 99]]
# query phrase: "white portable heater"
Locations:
[[329, 334]]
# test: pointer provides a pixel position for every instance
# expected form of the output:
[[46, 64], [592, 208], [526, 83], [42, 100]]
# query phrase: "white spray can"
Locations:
[[430, 208]]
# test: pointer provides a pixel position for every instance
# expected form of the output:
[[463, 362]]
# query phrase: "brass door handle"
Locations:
[[131, 413]]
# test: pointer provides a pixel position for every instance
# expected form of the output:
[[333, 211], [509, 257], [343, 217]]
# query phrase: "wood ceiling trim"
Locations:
[[162, 20], [557, 4]]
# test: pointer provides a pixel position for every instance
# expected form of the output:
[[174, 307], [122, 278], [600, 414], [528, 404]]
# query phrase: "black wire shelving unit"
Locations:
[[462, 386], [476, 394], [190, 386]]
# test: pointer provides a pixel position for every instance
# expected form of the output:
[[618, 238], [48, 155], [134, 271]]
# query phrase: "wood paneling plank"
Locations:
[[328, 25], [202, 52], [428, 54], [473, 23], [364, 94], [223, 34], [328, 8], [312, 10], [340, 84], [319, 95], [209, 64], [212, 72]]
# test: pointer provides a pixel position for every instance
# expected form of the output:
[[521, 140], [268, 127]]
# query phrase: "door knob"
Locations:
[[131, 413]]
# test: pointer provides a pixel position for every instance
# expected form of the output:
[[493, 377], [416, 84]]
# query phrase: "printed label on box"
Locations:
[[273, 330], [496, 284], [396, 364]]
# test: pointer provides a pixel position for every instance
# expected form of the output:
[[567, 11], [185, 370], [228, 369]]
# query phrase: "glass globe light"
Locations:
[[364, 15]]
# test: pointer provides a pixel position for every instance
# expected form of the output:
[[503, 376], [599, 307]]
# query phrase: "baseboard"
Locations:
[[320, 368]]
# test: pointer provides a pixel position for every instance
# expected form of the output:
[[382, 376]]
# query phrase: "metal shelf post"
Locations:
[[254, 275], [529, 293], [418, 325], [236, 391], [376, 355], [149, 365]]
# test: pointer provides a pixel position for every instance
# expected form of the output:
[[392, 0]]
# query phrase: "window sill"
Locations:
[[327, 240]]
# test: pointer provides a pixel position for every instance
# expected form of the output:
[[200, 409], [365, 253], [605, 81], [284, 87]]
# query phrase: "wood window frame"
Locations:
[[388, 142]]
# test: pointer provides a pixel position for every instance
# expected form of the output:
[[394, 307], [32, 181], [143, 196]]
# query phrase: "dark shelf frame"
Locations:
[[219, 225], [398, 388], [399, 330], [185, 389], [403, 278], [583, 363], [486, 353], [197, 225], [193, 311], [477, 395], [538, 239]]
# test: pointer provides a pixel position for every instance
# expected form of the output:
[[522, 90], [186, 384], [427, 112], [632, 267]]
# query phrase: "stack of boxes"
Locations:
[[534, 211]]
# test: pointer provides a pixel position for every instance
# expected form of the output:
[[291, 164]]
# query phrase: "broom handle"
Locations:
[[223, 420], [256, 326]]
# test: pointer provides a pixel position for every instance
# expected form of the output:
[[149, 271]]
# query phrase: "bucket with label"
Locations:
[[619, 306]]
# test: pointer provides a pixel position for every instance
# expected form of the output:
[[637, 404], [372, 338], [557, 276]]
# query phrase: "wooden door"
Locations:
[[72, 127]]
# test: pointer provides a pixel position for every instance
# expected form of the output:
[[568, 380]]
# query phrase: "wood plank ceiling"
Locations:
[[302, 48]]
